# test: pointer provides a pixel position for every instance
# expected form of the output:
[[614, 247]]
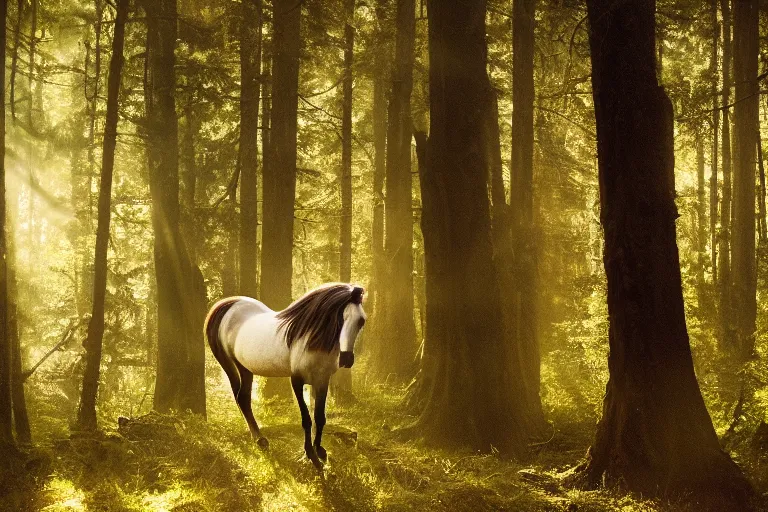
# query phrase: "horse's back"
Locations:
[[250, 335]]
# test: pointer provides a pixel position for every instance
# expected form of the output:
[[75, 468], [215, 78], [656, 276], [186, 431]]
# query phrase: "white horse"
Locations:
[[307, 342]]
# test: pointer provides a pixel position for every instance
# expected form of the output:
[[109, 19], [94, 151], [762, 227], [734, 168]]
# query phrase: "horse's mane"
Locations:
[[319, 315]]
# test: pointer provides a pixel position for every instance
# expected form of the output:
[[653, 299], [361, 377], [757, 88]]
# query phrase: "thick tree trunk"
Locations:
[[379, 115], [6, 354], [342, 382], [465, 367], [280, 175], [726, 330], [250, 64], [745, 122], [655, 436], [280, 172], [395, 347], [715, 140], [523, 299], [86, 414], [180, 380]]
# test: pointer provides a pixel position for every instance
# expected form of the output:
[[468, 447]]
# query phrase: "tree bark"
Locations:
[[250, 64], [20, 414], [6, 354], [701, 224], [341, 385], [180, 380], [715, 141], [465, 368], [395, 347], [86, 414], [745, 117], [15, 56], [523, 316], [280, 172], [280, 175], [726, 330], [763, 230], [379, 115], [655, 436], [345, 238]]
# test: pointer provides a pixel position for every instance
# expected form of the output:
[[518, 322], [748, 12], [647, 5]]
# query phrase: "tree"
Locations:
[[379, 118], [745, 122], [250, 63], [6, 414], [655, 436], [345, 236], [180, 380], [523, 287], [86, 414], [280, 172], [701, 222], [342, 381], [465, 368], [724, 263], [715, 140], [395, 345]]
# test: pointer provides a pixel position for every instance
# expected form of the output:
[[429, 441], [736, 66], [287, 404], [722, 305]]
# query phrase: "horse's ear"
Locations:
[[357, 295]]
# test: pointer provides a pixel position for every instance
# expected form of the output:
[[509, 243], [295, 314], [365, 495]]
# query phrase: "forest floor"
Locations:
[[182, 463]]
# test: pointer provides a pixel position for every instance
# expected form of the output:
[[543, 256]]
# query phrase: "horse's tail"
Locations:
[[212, 323]]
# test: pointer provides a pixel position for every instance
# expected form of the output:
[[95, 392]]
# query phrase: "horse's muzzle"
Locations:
[[346, 359]]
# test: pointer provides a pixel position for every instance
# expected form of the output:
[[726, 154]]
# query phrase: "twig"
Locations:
[[68, 336]]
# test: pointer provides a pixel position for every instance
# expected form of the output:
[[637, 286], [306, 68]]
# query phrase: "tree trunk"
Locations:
[[20, 414], [499, 207], [280, 175], [763, 230], [6, 354], [745, 122], [395, 347], [341, 385], [250, 64], [86, 414], [345, 238], [701, 225], [726, 329], [180, 380], [655, 436], [523, 295], [15, 56], [465, 366], [379, 115], [715, 141]]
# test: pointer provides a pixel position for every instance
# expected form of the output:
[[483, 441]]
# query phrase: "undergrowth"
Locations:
[[184, 463]]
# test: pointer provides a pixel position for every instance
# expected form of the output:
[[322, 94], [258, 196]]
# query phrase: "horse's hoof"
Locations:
[[263, 443], [321, 453], [312, 456]]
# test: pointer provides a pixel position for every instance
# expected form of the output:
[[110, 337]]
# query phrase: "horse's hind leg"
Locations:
[[243, 398]]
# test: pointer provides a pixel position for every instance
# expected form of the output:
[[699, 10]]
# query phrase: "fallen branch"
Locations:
[[69, 334]]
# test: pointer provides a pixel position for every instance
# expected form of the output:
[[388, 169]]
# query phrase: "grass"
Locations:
[[183, 463]]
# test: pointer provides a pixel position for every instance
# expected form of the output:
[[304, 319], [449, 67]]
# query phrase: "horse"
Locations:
[[308, 342]]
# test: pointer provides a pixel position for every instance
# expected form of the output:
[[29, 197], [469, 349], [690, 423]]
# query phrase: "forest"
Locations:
[[551, 213]]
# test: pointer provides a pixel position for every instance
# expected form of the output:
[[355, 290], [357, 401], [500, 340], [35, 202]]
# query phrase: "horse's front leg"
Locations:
[[306, 421], [321, 393]]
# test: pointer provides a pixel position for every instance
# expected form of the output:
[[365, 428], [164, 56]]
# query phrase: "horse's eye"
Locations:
[[360, 322]]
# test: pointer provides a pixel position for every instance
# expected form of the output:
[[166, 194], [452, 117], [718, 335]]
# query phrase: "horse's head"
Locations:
[[354, 319]]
